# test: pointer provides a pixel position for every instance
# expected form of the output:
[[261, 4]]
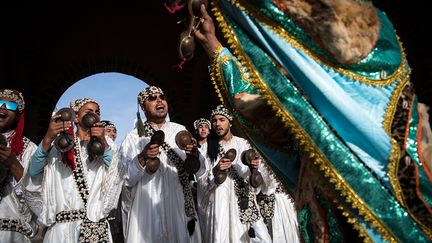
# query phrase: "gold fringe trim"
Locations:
[[393, 171], [243, 127], [399, 74], [299, 134], [356, 225]]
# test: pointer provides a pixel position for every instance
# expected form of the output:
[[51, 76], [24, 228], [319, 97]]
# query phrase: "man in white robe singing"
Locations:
[[72, 189], [162, 207], [17, 223]]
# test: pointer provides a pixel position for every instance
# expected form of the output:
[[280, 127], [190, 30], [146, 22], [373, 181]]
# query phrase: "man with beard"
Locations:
[[227, 219], [72, 192], [16, 224], [161, 205]]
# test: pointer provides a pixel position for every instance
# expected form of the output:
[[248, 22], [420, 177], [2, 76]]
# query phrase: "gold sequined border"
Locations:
[[243, 127], [299, 134], [393, 171], [399, 74], [356, 225]]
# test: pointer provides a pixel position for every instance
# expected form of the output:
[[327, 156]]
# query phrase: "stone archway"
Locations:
[[47, 52]]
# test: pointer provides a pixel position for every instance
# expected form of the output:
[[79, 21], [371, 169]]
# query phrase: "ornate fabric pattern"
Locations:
[[266, 205], [77, 104], [79, 175], [14, 95], [71, 215], [108, 124], [94, 232], [221, 110], [143, 95], [300, 102], [90, 231], [248, 211], [14, 225], [400, 119], [201, 121]]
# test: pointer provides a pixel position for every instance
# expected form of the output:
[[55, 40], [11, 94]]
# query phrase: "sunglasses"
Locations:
[[153, 97], [9, 105]]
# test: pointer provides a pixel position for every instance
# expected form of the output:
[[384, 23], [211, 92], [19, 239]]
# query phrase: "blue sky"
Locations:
[[116, 93]]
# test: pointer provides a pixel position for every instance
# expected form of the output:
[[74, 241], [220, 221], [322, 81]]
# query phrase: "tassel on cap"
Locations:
[[139, 124], [191, 226], [251, 232]]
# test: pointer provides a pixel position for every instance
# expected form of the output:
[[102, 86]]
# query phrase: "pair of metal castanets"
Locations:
[[64, 141]]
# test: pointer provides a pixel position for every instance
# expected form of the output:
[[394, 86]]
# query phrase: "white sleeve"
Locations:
[[242, 169], [135, 172], [129, 150]]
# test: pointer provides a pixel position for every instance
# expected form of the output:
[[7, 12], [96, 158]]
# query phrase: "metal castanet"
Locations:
[[192, 163], [183, 138], [152, 164], [64, 141], [186, 46], [66, 114], [88, 120], [220, 176], [194, 7], [94, 148], [256, 178]]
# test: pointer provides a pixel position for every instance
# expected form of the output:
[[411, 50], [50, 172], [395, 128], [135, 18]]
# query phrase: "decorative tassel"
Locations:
[[180, 65], [251, 232], [68, 157], [174, 8], [140, 125], [191, 226], [16, 141]]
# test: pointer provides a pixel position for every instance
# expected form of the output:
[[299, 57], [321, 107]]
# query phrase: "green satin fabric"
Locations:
[[341, 160], [425, 184], [386, 56], [332, 224], [306, 225], [231, 71]]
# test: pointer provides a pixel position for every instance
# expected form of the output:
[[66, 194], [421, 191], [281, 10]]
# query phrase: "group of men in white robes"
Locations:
[[234, 210], [70, 194]]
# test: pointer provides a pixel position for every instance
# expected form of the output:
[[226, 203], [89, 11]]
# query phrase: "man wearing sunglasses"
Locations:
[[72, 192], [17, 223], [161, 206]]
